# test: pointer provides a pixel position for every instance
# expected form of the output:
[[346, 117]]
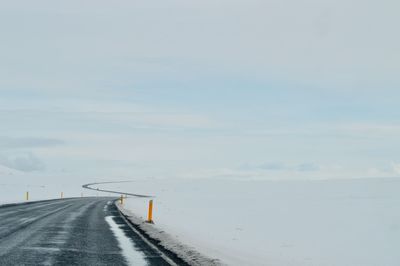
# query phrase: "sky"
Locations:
[[249, 89]]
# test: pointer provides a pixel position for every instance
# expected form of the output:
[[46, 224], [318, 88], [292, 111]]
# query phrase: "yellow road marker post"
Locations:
[[150, 214], [121, 199], [27, 196]]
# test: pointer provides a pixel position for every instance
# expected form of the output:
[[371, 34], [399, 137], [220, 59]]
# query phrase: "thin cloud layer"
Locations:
[[175, 87], [12, 143]]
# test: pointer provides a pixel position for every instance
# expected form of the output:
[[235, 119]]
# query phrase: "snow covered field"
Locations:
[[333, 222], [353, 222], [14, 184]]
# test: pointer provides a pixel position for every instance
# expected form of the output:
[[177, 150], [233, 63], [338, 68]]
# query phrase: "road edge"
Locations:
[[176, 251], [12, 204]]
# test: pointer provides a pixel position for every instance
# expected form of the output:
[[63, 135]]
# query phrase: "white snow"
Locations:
[[353, 222], [133, 256], [41, 186], [257, 222]]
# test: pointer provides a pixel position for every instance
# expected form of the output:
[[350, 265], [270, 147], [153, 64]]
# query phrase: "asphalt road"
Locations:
[[82, 231]]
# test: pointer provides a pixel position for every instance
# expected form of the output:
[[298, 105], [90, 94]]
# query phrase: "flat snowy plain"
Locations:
[[328, 222], [14, 184]]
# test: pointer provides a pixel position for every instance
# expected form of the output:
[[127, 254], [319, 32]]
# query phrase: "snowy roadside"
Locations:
[[184, 252], [328, 222]]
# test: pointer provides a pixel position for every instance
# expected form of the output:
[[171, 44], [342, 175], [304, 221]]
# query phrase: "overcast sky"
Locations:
[[234, 89]]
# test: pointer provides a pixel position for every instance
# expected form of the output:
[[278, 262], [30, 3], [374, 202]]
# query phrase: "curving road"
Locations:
[[90, 187], [80, 231]]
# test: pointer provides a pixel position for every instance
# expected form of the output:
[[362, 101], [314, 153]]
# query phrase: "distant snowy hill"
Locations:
[[5, 171]]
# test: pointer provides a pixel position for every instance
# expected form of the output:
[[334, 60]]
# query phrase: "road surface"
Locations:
[[81, 231]]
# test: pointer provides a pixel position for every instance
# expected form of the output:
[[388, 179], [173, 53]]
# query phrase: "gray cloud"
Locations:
[[9, 143], [26, 162], [307, 167], [273, 166]]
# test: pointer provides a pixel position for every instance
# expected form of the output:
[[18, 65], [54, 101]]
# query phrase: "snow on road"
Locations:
[[333, 222], [127, 246]]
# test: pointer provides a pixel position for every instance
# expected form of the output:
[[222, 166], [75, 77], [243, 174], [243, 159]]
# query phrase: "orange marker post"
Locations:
[[150, 214]]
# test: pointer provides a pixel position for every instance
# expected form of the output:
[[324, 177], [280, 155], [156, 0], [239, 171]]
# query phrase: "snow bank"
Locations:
[[184, 252], [336, 222]]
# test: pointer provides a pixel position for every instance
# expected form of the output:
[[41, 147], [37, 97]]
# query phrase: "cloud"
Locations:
[[26, 162], [8, 142], [307, 167], [396, 168], [279, 166], [274, 85], [273, 166]]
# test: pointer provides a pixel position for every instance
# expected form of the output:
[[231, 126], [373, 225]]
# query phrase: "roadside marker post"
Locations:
[[27, 196], [122, 199], [62, 194], [150, 214]]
